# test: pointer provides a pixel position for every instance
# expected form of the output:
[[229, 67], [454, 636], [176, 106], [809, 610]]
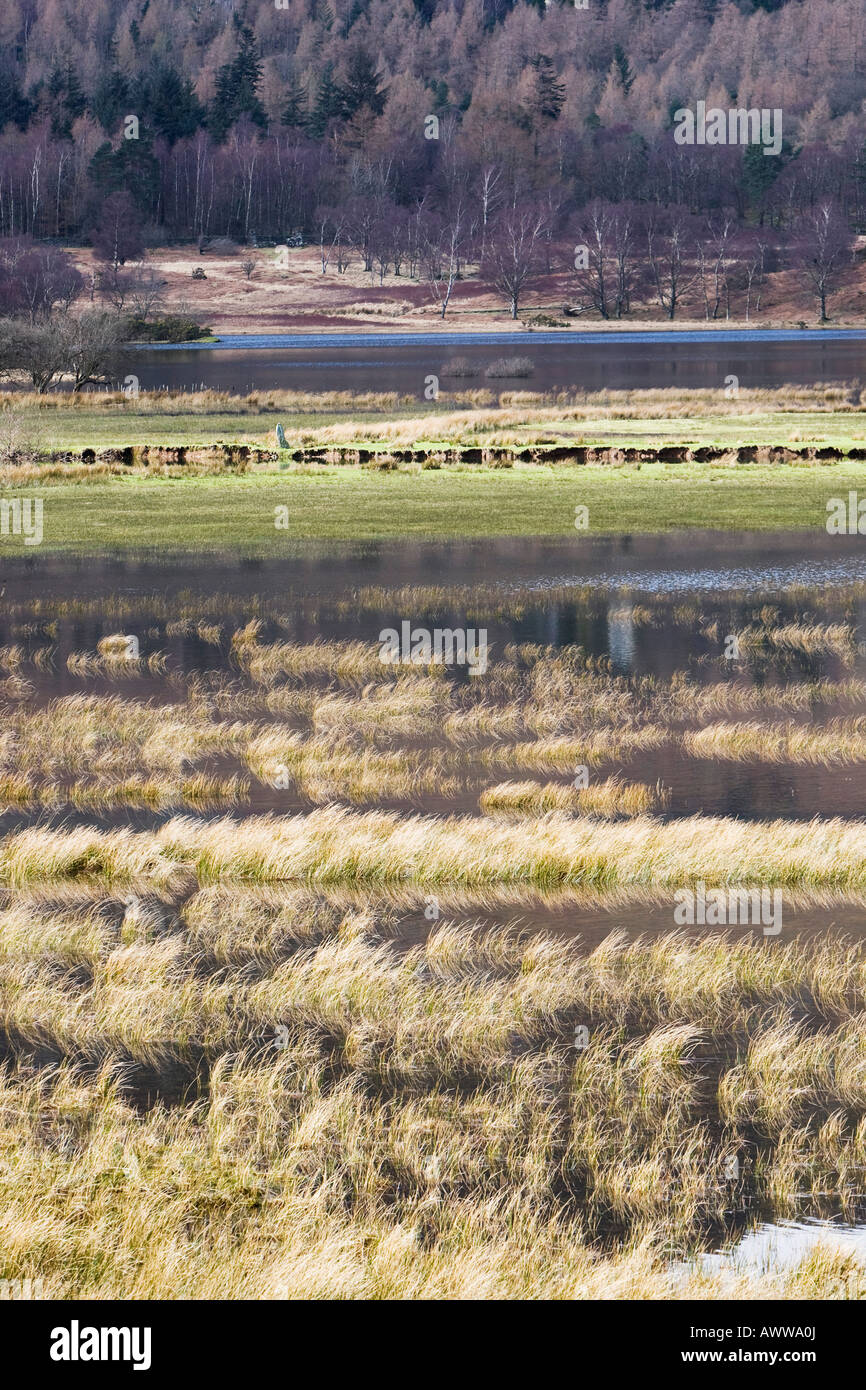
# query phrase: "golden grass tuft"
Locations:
[[607, 800]]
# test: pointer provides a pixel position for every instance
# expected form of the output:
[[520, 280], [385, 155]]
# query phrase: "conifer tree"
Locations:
[[329, 104], [237, 86], [295, 111], [361, 87]]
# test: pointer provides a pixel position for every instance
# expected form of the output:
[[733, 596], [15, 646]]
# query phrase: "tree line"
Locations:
[[57, 325], [246, 120]]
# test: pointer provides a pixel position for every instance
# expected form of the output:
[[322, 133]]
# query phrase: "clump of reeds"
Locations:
[[460, 366], [332, 844], [839, 741], [328, 770], [266, 662], [380, 1122], [836, 638], [510, 367], [607, 800], [591, 746], [116, 658]]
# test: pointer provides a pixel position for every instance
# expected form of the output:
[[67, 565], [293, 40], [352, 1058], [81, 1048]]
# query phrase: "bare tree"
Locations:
[[512, 252], [35, 280], [36, 350], [604, 258], [489, 179], [592, 259], [440, 256], [825, 252], [117, 236], [755, 263], [713, 253], [145, 294], [666, 239], [91, 346], [332, 224]]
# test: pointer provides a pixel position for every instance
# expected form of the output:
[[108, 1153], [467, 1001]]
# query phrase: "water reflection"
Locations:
[[779, 1245]]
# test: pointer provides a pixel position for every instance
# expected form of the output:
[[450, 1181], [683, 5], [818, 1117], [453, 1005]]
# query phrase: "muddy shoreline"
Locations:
[[242, 456]]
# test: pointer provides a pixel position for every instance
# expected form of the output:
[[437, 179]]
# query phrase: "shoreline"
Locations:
[[448, 336]]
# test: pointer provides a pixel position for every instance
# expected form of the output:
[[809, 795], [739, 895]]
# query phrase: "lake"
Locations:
[[570, 360]]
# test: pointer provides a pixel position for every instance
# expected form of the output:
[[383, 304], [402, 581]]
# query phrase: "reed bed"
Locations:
[[200, 792], [836, 638], [264, 663], [332, 1053], [333, 845], [560, 754], [328, 771], [606, 800], [115, 663], [839, 741], [377, 1123]]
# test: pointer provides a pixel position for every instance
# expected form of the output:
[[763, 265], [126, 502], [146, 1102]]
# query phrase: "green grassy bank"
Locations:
[[347, 503]]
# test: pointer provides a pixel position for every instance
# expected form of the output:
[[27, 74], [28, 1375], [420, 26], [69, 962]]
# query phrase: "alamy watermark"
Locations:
[[22, 517], [728, 907], [737, 126], [21, 1290], [77, 1343], [444, 646], [846, 518]]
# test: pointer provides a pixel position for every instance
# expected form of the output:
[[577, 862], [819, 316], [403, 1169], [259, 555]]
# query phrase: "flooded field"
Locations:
[[567, 932]]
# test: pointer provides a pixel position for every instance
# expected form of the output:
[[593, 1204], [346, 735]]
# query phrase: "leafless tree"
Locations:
[[713, 252], [441, 252], [331, 224], [145, 290], [666, 248], [825, 252], [755, 257], [36, 350], [512, 253], [489, 181], [91, 345]]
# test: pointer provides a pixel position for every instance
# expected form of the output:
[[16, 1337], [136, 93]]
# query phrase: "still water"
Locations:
[[643, 606], [575, 361]]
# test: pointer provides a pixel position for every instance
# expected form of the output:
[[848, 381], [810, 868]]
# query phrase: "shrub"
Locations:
[[460, 366], [174, 328], [511, 367]]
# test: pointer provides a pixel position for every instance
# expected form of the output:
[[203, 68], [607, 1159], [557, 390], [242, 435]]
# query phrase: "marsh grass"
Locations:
[[838, 741], [263, 1070], [334, 845], [606, 800], [837, 638], [380, 1123]]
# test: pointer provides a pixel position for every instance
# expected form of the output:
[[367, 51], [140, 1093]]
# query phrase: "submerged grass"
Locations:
[[334, 845], [607, 800], [838, 741], [381, 1123], [288, 1055]]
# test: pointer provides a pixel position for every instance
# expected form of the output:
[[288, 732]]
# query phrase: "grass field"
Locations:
[[155, 504], [828, 416], [80, 429], [348, 503]]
